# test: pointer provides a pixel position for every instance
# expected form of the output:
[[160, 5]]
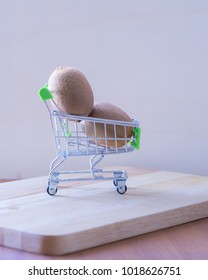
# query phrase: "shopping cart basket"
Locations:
[[72, 139]]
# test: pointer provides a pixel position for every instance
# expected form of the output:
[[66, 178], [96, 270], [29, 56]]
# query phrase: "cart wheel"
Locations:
[[115, 182], [122, 189], [52, 188]]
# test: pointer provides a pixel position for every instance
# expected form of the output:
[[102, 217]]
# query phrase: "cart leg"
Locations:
[[53, 176], [94, 160], [56, 162]]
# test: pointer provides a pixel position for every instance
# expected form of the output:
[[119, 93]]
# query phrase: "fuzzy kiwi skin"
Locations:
[[71, 90], [111, 112]]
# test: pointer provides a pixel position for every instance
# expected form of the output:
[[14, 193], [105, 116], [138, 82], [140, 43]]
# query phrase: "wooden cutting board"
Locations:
[[87, 214]]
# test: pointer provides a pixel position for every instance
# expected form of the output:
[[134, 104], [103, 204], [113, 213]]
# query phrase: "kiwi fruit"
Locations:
[[108, 111], [71, 91]]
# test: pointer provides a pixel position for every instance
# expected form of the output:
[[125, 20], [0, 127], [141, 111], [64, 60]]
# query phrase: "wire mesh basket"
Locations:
[[87, 136]]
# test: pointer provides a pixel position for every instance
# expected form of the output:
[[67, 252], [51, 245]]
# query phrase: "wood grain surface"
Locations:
[[24, 224]]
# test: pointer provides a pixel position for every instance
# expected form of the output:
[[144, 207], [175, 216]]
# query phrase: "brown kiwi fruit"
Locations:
[[111, 112], [71, 91]]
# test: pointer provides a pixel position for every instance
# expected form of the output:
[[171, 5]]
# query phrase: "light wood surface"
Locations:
[[152, 184], [184, 242]]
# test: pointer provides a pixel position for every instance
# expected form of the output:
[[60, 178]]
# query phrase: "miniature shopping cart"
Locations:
[[72, 140]]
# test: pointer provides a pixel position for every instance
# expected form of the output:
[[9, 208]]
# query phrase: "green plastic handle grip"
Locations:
[[45, 93], [136, 142]]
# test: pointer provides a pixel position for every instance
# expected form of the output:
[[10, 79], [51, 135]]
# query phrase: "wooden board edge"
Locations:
[[65, 244]]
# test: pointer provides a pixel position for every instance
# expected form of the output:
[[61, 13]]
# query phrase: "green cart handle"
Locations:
[[45, 93], [136, 142]]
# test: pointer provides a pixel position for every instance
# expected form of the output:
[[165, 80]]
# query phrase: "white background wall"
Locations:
[[148, 57]]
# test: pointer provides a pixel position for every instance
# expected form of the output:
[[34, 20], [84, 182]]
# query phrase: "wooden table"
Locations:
[[187, 241]]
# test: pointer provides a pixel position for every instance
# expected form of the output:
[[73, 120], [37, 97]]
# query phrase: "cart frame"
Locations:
[[71, 139]]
